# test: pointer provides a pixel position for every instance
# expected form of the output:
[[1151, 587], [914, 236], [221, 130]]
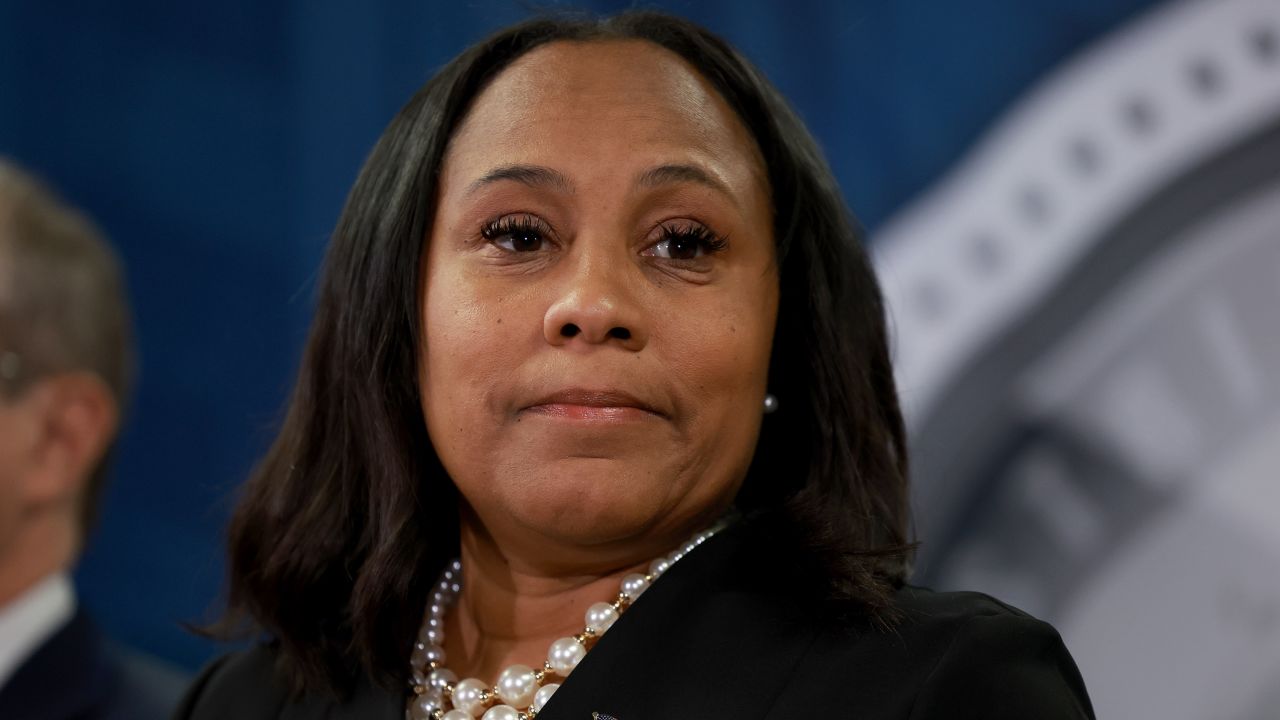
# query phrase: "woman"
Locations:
[[579, 272]]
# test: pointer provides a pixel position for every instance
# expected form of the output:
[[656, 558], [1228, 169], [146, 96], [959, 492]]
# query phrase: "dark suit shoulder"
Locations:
[[237, 685], [926, 611], [949, 655], [77, 673], [997, 662]]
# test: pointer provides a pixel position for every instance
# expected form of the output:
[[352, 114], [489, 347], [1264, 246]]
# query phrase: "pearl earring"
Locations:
[[770, 403]]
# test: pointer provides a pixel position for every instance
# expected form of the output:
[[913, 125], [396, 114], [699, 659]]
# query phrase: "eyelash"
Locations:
[[707, 240], [512, 225]]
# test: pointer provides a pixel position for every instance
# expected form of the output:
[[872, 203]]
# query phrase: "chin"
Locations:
[[593, 501]]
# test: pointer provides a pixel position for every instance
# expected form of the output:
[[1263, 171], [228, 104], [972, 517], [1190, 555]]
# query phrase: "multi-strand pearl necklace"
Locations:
[[520, 692]]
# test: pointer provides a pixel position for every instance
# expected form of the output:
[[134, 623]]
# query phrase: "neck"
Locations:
[[39, 549], [510, 610]]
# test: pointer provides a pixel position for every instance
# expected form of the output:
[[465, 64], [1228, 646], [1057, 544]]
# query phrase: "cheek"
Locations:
[[475, 338], [724, 351], [722, 361], [17, 440], [463, 347], [12, 461]]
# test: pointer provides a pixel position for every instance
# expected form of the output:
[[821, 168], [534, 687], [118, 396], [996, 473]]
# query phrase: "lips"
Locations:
[[592, 403]]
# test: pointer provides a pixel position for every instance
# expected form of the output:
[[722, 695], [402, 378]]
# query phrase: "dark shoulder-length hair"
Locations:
[[345, 524]]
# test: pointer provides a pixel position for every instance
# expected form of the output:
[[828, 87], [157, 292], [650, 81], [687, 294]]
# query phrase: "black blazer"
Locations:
[[735, 630]]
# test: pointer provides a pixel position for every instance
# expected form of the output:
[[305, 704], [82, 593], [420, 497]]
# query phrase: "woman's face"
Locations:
[[599, 299]]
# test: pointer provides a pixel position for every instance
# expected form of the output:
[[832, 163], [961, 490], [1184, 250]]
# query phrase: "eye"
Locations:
[[685, 241], [516, 233]]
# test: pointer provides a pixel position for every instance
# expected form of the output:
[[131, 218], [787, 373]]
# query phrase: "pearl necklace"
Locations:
[[439, 695]]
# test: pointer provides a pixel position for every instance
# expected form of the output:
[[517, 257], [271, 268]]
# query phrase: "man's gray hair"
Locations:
[[63, 306]]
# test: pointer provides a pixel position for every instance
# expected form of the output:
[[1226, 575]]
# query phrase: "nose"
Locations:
[[594, 308]]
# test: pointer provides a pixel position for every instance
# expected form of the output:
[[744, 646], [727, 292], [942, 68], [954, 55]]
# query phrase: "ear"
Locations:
[[78, 416]]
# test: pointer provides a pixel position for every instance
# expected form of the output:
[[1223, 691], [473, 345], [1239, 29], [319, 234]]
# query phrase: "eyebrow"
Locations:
[[675, 174], [540, 176], [531, 175]]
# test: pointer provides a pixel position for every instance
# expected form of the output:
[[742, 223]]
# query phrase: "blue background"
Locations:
[[215, 143]]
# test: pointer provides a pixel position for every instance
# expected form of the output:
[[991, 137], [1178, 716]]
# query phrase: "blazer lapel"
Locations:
[[703, 641]]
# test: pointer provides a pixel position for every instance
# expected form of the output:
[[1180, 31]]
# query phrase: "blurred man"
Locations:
[[65, 361]]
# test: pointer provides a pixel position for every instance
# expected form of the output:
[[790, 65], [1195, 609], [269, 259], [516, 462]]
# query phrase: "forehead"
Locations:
[[618, 99]]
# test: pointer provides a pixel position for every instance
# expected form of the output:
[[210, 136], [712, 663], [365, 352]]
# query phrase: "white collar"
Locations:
[[31, 619]]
